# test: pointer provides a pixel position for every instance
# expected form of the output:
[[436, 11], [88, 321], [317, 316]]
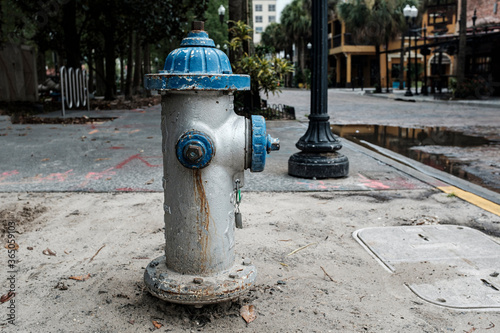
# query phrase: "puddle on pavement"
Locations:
[[401, 140]]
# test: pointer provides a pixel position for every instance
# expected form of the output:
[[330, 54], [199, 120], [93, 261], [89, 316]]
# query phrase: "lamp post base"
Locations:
[[318, 165], [408, 92]]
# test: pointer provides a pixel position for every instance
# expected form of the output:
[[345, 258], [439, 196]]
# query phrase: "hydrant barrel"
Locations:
[[206, 148]]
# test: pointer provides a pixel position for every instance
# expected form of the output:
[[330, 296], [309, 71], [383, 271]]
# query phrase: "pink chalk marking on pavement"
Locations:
[[140, 158], [317, 185], [371, 183], [57, 176], [6, 174], [116, 147], [99, 175]]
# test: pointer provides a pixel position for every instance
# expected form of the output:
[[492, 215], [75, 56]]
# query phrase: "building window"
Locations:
[[258, 30], [272, 19], [483, 65], [258, 19], [272, 8], [258, 8]]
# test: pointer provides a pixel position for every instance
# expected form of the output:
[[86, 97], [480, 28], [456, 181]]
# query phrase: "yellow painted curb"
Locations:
[[472, 198]]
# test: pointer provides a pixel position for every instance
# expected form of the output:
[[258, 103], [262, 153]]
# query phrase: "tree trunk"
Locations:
[[130, 62], [378, 88], [462, 42], [302, 55], [109, 49], [136, 83], [387, 81], [401, 77], [71, 37], [40, 66], [101, 84], [147, 64]]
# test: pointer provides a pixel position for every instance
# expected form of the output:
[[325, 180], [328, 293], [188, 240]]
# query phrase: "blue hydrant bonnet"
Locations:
[[197, 65]]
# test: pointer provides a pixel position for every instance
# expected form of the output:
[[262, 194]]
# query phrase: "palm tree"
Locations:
[[372, 21], [274, 37], [297, 23]]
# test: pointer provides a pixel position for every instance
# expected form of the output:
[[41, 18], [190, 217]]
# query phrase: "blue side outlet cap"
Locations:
[[262, 144], [259, 144]]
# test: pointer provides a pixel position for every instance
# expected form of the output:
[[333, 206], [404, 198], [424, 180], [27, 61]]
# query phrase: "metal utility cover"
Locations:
[[447, 265]]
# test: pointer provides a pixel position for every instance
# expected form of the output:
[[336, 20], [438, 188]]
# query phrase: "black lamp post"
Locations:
[[415, 31], [319, 157], [221, 11], [425, 52], [474, 18], [409, 13]]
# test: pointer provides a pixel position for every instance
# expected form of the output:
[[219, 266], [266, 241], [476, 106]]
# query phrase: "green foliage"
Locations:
[[217, 31], [265, 74], [471, 88], [275, 37]]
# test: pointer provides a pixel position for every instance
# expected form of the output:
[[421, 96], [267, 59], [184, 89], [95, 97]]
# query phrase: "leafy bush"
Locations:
[[471, 88], [265, 73]]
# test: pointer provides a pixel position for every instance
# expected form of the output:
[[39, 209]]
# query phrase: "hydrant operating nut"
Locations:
[[195, 150]]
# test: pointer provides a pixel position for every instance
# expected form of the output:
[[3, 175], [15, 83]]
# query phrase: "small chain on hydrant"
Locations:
[[237, 215]]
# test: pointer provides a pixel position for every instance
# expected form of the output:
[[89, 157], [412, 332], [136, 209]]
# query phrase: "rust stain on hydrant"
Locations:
[[203, 219]]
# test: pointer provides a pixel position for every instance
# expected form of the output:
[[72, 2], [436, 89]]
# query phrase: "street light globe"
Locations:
[[309, 46], [414, 12], [407, 11], [221, 10]]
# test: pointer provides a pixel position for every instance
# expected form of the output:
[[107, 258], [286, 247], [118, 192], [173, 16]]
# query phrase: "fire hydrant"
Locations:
[[206, 148]]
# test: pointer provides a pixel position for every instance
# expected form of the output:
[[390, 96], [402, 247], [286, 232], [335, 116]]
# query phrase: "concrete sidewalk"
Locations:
[[396, 94]]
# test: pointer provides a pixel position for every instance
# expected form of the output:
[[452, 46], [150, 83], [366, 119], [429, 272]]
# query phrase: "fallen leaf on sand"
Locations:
[[157, 324], [248, 313], [151, 181], [7, 297], [16, 246], [46, 159], [48, 252], [80, 277]]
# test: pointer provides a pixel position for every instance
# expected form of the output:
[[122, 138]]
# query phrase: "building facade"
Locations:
[[264, 13], [353, 63]]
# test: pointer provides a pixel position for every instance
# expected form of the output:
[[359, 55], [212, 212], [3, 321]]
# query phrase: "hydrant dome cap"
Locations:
[[198, 38], [197, 65]]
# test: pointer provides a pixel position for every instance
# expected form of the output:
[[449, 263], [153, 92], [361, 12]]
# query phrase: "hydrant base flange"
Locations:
[[195, 289]]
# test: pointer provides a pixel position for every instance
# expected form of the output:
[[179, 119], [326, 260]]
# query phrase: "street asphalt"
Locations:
[[124, 153]]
